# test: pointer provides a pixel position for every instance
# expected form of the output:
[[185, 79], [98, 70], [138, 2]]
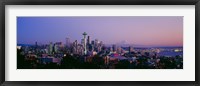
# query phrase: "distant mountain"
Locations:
[[125, 43]]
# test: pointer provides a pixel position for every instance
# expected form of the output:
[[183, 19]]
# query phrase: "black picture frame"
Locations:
[[98, 2]]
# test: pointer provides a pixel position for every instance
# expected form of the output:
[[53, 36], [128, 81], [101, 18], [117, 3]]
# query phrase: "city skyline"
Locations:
[[137, 30]]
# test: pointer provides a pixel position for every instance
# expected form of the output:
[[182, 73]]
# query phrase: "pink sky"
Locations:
[[142, 30]]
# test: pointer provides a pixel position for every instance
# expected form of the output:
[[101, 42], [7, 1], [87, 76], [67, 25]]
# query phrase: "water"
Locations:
[[171, 54]]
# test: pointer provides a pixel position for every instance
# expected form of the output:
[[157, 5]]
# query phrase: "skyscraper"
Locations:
[[88, 40], [50, 48], [96, 41], [130, 49], [82, 42], [36, 44], [92, 42], [114, 48], [85, 48], [36, 47], [67, 42], [75, 47], [56, 48]]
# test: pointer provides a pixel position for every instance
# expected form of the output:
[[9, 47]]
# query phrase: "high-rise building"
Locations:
[[99, 48], [101, 43], [85, 48], [67, 42], [82, 42], [90, 47], [75, 47], [130, 49], [59, 44], [96, 42], [119, 50], [76, 42], [80, 49], [50, 48], [56, 48], [114, 48], [88, 40], [36, 47], [110, 49], [92, 42], [36, 44], [96, 45]]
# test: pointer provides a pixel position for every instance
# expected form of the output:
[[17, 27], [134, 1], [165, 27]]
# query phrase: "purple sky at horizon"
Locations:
[[140, 30]]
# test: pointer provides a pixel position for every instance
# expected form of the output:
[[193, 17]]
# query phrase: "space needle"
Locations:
[[85, 49]]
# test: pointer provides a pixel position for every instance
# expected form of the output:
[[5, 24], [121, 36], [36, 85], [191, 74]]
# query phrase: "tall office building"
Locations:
[[114, 48], [36, 47], [96, 41], [75, 47], [36, 44], [82, 42], [85, 48], [92, 42], [130, 49], [56, 48], [88, 40], [67, 42], [119, 50], [101, 43], [50, 48], [80, 49]]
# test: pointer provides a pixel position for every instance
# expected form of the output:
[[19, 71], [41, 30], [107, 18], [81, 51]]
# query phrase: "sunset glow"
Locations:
[[138, 30]]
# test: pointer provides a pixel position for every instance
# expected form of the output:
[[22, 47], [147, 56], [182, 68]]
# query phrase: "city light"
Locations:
[[100, 56], [100, 42]]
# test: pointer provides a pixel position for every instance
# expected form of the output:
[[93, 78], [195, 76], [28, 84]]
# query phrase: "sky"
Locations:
[[138, 30]]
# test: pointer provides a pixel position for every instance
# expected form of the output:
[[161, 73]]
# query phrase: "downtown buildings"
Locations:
[[94, 52]]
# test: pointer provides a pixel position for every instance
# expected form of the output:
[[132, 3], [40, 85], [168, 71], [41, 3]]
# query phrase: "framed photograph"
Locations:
[[102, 42]]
